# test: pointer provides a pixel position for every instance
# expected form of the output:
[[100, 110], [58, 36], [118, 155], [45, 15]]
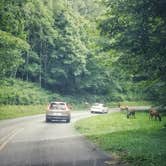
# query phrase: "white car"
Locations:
[[98, 108]]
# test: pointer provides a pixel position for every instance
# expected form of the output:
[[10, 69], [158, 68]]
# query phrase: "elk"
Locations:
[[122, 108], [69, 106], [154, 113], [130, 113]]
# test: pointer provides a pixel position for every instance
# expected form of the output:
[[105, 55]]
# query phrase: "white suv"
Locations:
[[98, 108]]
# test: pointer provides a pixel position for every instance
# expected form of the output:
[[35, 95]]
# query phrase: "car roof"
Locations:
[[98, 104], [57, 102]]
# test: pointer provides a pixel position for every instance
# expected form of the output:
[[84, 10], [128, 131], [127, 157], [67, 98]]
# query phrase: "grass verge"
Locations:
[[14, 111], [140, 141]]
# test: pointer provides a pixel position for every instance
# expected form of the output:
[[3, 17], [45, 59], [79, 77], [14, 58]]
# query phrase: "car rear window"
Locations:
[[60, 106]]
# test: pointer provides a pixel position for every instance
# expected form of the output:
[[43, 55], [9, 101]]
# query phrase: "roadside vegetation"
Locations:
[[15, 111], [130, 103], [18, 92], [137, 141]]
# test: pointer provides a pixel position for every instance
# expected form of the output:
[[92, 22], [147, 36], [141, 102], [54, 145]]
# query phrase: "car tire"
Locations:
[[68, 120], [47, 120]]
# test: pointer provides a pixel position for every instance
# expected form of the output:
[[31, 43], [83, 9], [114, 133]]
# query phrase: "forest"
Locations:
[[85, 50]]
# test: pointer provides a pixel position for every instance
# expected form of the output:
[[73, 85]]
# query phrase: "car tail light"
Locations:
[[48, 107]]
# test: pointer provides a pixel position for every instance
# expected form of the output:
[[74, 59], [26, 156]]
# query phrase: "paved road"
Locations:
[[29, 141]]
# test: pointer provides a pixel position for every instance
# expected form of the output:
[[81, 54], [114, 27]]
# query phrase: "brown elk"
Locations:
[[154, 113], [69, 106], [122, 108]]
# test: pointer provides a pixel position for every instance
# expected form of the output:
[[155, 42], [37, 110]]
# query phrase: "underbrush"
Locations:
[[130, 103], [14, 111], [17, 92]]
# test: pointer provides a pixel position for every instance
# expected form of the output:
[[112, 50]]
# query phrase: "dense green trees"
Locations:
[[12, 37], [68, 61], [137, 31], [114, 49]]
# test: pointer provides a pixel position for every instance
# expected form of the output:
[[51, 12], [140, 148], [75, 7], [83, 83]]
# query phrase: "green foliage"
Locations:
[[14, 111], [88, 8], [18, 92], [138, 141], [12, 37], [59, 46], [129, 103], [136, 31], [68, 62]]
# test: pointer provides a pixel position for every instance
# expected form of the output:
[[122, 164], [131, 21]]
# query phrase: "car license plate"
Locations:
[[58, 114]]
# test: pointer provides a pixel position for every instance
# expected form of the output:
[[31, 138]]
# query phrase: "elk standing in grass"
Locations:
[[130, 112], [154, 113]]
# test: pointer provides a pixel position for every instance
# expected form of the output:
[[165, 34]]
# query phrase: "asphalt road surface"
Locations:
[[30, 141]]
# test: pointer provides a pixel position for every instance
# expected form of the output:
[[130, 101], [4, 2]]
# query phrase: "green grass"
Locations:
[[140, 141], [14, 111], [130, 103]]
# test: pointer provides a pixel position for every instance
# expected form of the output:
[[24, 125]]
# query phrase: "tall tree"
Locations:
[[137, 30], [12, 37]]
